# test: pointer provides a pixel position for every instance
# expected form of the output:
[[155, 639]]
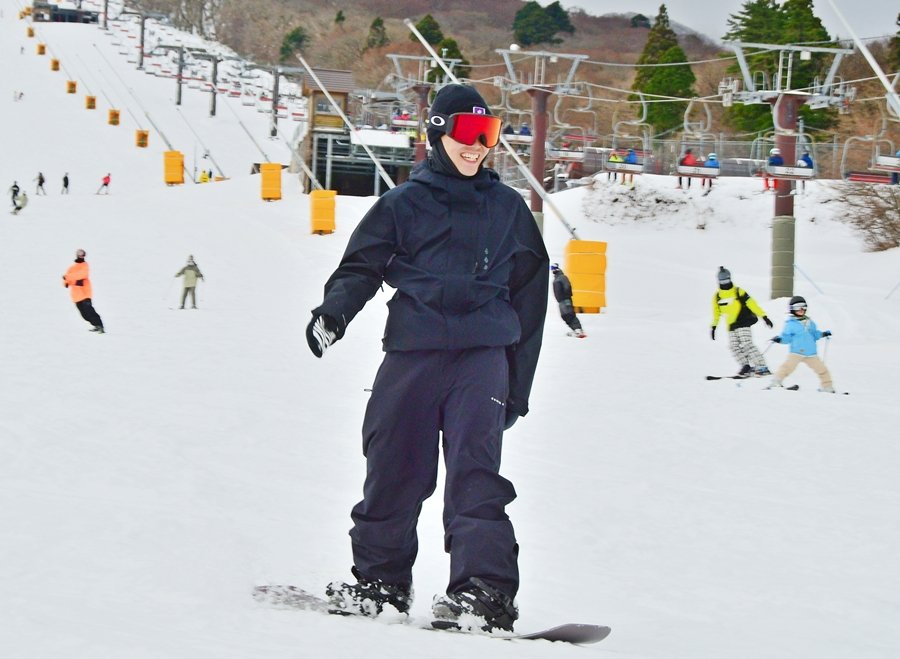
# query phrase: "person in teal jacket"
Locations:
[[800, 333]]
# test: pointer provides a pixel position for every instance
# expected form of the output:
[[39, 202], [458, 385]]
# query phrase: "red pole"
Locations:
[[539, 116]]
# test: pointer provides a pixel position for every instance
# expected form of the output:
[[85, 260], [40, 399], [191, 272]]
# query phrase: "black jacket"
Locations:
[[469, 266], [562, 288]]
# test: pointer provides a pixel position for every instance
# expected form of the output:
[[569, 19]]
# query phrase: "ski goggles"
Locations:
[[468, 127], [798, 306]]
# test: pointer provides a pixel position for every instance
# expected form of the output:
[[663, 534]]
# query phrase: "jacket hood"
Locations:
[[425, 173]]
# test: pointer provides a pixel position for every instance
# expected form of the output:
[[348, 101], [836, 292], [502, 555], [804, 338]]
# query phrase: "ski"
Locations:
[[793, 387], [727, 377], [282, 596]]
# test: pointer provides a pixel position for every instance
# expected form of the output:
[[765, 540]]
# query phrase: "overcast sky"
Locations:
[[868, 18]]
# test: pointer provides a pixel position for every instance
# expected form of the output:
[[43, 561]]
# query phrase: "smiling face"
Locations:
[[466, 159]]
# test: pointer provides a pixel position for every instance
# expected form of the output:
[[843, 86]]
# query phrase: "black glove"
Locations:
[[511, 418], [712, 333], [776, 339], [79, 282], [768, 322], [826, 333], [321, 332]]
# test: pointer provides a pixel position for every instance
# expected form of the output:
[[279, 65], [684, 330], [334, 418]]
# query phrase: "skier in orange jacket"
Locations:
[[78, 282]]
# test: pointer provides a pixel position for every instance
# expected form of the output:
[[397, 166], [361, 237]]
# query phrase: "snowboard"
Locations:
[[291, 597]]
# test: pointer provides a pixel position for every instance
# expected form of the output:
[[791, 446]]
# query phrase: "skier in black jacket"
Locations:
[[562, 291], [462, 341]]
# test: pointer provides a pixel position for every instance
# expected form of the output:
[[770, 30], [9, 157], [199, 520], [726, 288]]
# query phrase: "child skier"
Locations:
[[801, 333], [740, 311]]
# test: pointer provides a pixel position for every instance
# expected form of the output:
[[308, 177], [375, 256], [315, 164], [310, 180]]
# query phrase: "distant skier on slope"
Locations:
[[20, 202], [77, 280], [191, 274], [104, 185], [740, 311]]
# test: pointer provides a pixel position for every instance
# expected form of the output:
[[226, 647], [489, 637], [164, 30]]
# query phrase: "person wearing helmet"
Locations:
[[775, 160], [78, 281], [741, 312], [191, 273], [562, 291], [800, 333], [706, 182]]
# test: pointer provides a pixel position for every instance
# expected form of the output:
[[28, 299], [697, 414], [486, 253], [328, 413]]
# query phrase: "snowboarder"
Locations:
[[191, 274], [461, 346], [65, 187], [631, 159], [801, 334], [104, 185], [20, 202], [14, 192], [562, 291], [40, 184], [741, 312], [77, 280]]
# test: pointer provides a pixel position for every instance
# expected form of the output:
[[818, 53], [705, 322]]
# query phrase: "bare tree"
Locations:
[[875, 211]]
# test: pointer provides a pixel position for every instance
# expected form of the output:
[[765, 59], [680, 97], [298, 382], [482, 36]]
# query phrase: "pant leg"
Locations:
[[192, 291], [477, 531], [749, 350], [819, 368], [89, 313], [737, 344], [788, 366], [401, 444], [567, 312]]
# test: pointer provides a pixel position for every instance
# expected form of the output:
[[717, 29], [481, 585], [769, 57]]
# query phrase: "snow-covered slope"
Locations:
[[150, 477]]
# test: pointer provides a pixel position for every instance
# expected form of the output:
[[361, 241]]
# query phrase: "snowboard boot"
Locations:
[[367, 597], [774, 384], [476, 604], [762, 371], [745, 370]]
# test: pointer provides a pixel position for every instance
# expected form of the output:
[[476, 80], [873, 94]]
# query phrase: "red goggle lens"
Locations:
[[467, 128]]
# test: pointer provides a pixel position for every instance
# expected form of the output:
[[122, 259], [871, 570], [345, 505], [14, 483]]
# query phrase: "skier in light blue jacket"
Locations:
[[800, 333]]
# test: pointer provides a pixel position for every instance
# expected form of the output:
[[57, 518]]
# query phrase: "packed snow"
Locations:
[[152, 476]]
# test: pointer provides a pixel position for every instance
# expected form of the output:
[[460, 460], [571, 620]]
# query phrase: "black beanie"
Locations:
[[452, 99]]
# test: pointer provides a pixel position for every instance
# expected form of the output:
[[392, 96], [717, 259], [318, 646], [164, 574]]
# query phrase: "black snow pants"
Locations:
[[417, 397], [567, 311], [89, 313]]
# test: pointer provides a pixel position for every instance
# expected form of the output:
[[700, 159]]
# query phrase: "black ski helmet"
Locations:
[[797, 302]]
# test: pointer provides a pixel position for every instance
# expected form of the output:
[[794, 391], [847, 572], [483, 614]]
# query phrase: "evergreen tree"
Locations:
[[559, 18], [430, 29], [293, 41], [659, 40], [378, 37], [449, 49], [669, 81], [531, 26], [793, 22]]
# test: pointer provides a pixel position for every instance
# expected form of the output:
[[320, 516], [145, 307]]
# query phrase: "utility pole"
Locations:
[[143, 15], [786, 103], [539, 89], [179, 77], [214, 77]]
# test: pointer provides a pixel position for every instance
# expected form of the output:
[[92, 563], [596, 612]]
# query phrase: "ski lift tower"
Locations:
[[786, 102], [419, 83], [539, 89]]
